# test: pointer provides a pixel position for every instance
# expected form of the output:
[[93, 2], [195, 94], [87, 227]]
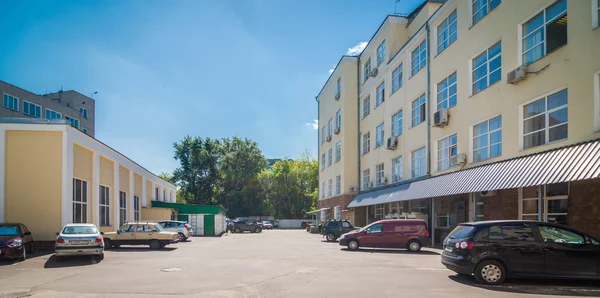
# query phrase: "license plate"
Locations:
[[79, 242], [448, 249]]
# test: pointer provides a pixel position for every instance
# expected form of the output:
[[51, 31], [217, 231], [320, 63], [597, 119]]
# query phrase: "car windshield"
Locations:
[[75, 230], [9, 231], [267, 223], [159, 228], [462, 232]]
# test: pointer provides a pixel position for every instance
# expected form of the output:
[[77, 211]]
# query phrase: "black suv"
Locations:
[[495, 250], [333, 229], [243, 225]]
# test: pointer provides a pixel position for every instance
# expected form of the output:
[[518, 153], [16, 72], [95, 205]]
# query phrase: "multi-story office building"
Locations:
[[477, 110], [70, 105]]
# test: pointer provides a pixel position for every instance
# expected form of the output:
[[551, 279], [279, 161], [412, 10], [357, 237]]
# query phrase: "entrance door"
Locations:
[[459, 213], [183, 217], [209, 225]]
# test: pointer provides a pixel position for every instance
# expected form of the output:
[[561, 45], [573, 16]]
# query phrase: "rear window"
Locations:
[[79, 230], [462, 232], [332, 224]]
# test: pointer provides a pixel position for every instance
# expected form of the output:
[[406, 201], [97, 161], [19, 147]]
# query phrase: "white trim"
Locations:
[[597, 101], [536, 98], [67, 175], [144, 193], [87, 197], [2, 175], [96, 187], [116, 201], [18, 102], [132, 192]]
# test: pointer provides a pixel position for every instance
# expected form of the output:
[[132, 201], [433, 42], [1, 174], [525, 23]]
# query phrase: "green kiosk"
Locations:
[[206, 220]]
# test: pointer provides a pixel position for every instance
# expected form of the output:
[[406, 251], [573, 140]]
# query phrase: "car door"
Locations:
[[144, 233], [517, 245], [346, 227], [27, 237], [568, 253], [372, 235], [127, 234]]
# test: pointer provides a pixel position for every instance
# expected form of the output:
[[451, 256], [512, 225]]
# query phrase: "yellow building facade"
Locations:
[[53, 174]]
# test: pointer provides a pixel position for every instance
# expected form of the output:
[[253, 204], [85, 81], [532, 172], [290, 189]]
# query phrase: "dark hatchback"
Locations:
[[15, 241], [495, 250]]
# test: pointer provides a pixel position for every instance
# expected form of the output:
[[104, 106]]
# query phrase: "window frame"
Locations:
[[397, 168], [323, 164], [50, 111], [338, 87], [544, 28], [322, 189], [445, 215], [397, 78], [366, 143], [422, 63], [545, 199], [447, 28], [366, 103], [36, 108], [330, 127], [122, 208], [338, 119], [84, 112], [397, 124], [72, 120], [329, 188], [338, 184], [366, 176], [6, 97], [379, 212], [380, 94], [329, 157], [595, 14], [104, 203], [546, 114], [338, 151], [421, 108], [441, 166], [381, 53], [472, 21], [323, 135], [447, 90], [379, 135], [136, 208], [81, 202], [366, 70], [487, 63], [489, 140], [421, 159], [380, 174]]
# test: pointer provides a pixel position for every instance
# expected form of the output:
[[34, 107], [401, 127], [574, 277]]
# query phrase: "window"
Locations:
[[84, 130], [559, 235], [366, 143], [378, 211], [545, 32], [323, 161], [529, 209], [381, 53], [32, 109], [418, 110], [379, 136], [482, 7], [517, 232], [555, 205], [329, 186], [418, 165], [337, 214], [84, 113], [479, 209], [329, 157], [397, 169], [79, 201], [446, 96], [487, 139], [419, 206], [366, 70], [446, 150], [443, 220], [104, 206], [446, 32], [379, 175], [366, 176], [338, 119], [366, 106], [50, 114], [546, 120], [338, 151], [11, 102], [73, 121], [487, 68], [375, 228], [338, 184], [122, 208], [136, 208], [397, 124], [323, 135], [397, 78], [156, 194], [380, 95], [323, 189], [164, 195], [395, 208], [338, 87], [329, 128], [419, 58]]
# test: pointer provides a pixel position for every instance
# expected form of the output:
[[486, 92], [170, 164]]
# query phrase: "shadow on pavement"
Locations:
[[537, 287], [393, 251], [74, 261], [37, 254], [141, 249]]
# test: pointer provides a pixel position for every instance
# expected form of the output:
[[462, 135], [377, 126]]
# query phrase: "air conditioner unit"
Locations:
[[337, 130], [487, 193], [328, 138], [337, 96], [374, 72], [353, 189], [392, 143], [458, 159], [440, 118], [518, 74]]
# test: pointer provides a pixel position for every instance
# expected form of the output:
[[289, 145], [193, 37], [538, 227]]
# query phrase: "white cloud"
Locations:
[[357, 49], [331, 70], [314, 124]]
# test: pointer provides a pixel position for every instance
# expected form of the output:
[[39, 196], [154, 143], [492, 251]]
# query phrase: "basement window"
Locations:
[[545, 32]]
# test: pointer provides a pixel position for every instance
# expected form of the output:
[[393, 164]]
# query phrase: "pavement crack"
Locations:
[[55, 280], [262, 281]]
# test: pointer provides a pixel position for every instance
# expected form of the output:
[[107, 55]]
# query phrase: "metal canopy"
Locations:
[[576, 162], [317, 211]]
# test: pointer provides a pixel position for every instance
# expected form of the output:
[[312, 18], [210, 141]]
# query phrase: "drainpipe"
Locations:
[[358, 143], [428, 117]]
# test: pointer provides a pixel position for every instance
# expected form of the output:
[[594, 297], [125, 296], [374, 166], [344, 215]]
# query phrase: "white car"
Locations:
[[77, 240], [180, 227]]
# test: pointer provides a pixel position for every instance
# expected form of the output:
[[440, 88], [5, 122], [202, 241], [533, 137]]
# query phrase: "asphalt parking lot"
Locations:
[[289, 263]]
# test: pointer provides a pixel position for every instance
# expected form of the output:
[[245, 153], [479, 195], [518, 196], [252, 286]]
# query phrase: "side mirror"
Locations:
[[57, 233], [101, 233], [27, 233], [118, 231]]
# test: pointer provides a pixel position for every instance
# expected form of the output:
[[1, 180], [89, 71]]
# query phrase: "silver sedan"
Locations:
[[77, 240]]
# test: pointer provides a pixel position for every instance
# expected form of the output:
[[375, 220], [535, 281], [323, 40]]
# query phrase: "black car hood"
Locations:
[[4, 239]]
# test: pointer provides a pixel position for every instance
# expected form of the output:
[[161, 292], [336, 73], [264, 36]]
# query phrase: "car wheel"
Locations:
[[330, 237], [155, 244], [107, 244], [238, 230], [100, 257], [257, 230], [490, 272], [353, 245], [24, 255], [181, 237], [31, 248], [414, 246]]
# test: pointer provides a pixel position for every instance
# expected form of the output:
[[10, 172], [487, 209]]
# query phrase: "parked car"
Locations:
[[15, 241], [244, 225], [411, 234], [140, 233], [180, 227], [333, 229], [229, 225], [495, 250], [267, 225], [276, 224], [79, 239]]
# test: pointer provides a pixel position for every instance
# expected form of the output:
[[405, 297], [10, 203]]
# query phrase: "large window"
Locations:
[[487, 139], [10, 102], [397, 169], [381, 53], [419, 206], [487, 68], [366, 143], [31, 109], [446, 32], [80, 201], [482, 7], [337, 214], [446, 150], [443, 220], [104, 206], [329, 188], [122, 208], [378, 213], [323, 189], [84, 113], [338, 119], [366, 176], [338, 87], [419, 58], [329, 157], [418, 163], [555, 204], [446, 92], [545, 32], [323, 161], [366, 70], [546, 120], [418, 110], [338, 151], [366, 106], [397, 124], [136, 208], [397, 76], [338, 184], [330, 128], [379, 175], [479, 210], [379, 135], [380, 95], [323, 135], [50, 114]]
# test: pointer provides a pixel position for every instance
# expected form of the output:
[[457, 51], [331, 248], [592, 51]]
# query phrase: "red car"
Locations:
[[411, 234], [15, 241], [267, 225]]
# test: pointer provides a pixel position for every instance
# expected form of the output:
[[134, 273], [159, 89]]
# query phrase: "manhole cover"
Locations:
[[171, 269]]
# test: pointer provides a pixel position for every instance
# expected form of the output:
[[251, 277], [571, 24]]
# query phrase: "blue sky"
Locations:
[[166, 69]]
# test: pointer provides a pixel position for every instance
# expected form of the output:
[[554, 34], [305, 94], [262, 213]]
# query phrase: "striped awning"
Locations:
[[575, 162]]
